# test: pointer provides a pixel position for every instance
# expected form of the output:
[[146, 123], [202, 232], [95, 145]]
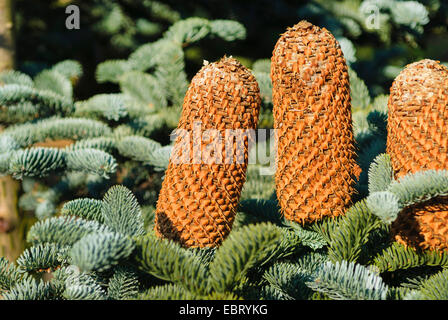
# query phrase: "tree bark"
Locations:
[[7, 41], [11, 234]]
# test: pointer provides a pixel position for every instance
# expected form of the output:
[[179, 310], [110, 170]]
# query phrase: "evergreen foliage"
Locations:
[[91, 170], [348, 281]]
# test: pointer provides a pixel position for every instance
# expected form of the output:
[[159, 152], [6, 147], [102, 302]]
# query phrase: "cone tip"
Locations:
[[425, 64]]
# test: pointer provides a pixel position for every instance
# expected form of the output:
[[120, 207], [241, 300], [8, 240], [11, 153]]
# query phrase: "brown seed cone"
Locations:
[[423, 226], [198, 199], [417, 140], [312, 116], [418, 118]]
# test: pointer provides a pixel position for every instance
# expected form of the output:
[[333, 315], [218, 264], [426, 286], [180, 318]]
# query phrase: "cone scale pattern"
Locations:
[[200, 194], [316, 165], [417, 140], [423, 226]]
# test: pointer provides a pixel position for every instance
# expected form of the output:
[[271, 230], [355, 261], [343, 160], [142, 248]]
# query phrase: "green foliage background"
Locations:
[[115, 88], [113, 29]]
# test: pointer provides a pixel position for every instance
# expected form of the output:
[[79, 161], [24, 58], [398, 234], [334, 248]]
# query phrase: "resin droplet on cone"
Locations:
[[199, 196], [417, 140], [312, 117]]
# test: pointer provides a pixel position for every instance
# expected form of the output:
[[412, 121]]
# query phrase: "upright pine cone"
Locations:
[[417, 140], [312, 116], [199, 198]]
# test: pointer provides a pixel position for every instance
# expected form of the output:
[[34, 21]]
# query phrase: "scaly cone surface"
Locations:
[[316, 165], [202, 184], [417, 140]]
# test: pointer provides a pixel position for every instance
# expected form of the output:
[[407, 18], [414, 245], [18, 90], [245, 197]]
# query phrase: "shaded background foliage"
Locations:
[[113, 29]]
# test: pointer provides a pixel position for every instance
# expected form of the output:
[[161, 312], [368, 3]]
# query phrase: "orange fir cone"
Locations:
[[417, 140], [312, 116], [423, 226], [203, 182]]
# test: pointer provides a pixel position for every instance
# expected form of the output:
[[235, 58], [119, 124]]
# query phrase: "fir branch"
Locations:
[[241, 251], [358, 91], [420, 186], [308, 238], [110, 71], [10, 275], [205, 255], [228, 30], [41, 162], [121, 211], [45, 209], [436, 287], [257, 185], [124, 284], [65, 230], [162, 10], [352, 233], [43, 257], [89, 209], [385, 205], [70, 69], [397, 293], [82, 286], [46, 102], [348, 280], [261, 210], [51, 80], [36, 162], [290, 243], [262, 65], [326, 227], [148, 214], [105, 144], [377, 120], [7, 144], [56, 129], [145, 56], [289, 279], [138, 148], [311, 261], [397, 257], [15, 77], [380, 105], [84, 292], [108, 106], [188, 31], [370, 146], [168, 292], [265, 84], [221, 296], [166, 260], [100, 251], [269, 292], [144, 88], [91, 161], [414, 295], [410, 13], [380, 173], [147, 27], [170, 72], [30, 289], [4, 164], [161, 157], [141, 126]]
